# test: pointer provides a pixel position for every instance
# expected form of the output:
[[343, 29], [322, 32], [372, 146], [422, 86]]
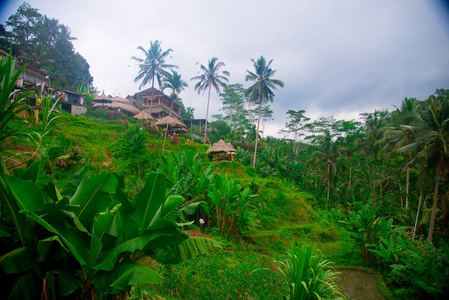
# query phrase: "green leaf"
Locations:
[[67, 283], [92, 196], [150, 199], [17, 261], [35, 173], [123, 276], [136, 273], [19, 221], [24, 288], [171, 204], [71, 237], [101, 223], [4, 233], [46, 248], [26, 193]]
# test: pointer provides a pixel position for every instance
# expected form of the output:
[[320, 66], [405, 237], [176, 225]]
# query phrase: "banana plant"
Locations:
[[89, 238]]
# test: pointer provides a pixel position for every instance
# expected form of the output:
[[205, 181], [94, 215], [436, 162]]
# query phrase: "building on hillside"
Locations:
[[157, 103], [70, 101], [30, 78], [221, 151]]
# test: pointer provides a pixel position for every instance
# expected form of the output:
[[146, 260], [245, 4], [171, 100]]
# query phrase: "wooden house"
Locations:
[[157, 103]]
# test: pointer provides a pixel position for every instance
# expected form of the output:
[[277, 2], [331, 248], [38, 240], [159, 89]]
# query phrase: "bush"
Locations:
[[306, 275]]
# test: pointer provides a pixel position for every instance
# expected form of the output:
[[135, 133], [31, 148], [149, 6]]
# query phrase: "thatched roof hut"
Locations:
[[144, 115], [221, 147], [102, 98], [173, 123], [126, 105]]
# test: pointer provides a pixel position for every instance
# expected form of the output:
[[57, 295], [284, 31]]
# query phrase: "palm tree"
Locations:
[[176, 84], [211, 77], [403, 134], [434, 140], [36, 55], [261, 91], [325, 157], [153, 65]]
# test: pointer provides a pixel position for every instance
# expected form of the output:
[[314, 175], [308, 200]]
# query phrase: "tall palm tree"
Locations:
[[176, 84], [434, 144], [436, 140], [403, 133], [326, 157], [211, 77], [153, 66], [261, 91]]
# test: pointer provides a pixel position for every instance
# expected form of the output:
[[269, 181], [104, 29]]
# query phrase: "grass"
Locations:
[[222, 275]]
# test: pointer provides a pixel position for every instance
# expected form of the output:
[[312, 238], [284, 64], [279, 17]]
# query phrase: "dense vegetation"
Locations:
[[44, 43], [101, 206]]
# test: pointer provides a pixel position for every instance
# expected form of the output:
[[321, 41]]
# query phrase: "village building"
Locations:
[[157, 103], [70, 101]]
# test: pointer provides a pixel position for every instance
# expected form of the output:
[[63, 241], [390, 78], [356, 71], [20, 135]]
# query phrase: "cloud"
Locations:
[[336, 58]]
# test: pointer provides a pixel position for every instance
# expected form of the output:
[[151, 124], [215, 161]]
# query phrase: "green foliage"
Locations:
[[89, 238], [223, 275], [10, 99], [46, 44], [306, 275], [412, 267]]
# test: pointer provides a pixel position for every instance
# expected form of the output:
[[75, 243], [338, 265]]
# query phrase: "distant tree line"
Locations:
[[45, 43]]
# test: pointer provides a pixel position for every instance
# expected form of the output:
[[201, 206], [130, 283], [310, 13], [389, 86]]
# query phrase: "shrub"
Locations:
[[306, 275], [174, 140]]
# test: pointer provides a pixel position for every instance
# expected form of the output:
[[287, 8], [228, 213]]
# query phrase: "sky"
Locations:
[[336, 58]]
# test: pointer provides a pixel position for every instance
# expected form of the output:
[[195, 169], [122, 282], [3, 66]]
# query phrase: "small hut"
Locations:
[[144, 115], [116, 103], [173, 124], [221, 151]]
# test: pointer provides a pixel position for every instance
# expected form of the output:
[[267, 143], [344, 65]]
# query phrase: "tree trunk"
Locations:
[[434, 208], [257, 134], [407, 184], [417, 217], [166, 129], [152, 96], [328, 189], [207, 114], [230, 121]]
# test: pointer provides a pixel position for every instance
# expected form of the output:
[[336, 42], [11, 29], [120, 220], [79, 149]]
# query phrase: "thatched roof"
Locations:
[[102, 97], [121, 100], [221, 146], [173, 122], [127, 107], [144, 115]]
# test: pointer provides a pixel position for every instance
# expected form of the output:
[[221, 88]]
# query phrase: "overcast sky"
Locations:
[[336, 58]]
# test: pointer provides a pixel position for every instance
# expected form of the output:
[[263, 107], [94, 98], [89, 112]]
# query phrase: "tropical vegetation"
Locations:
[[91, 208]]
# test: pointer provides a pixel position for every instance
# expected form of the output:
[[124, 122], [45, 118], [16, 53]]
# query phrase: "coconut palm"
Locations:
[[211, 77], [261, 91], [326, 158], [36, 55], [403, 134], [433, 142], [176, 84], [436, 140], [153, 65]]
